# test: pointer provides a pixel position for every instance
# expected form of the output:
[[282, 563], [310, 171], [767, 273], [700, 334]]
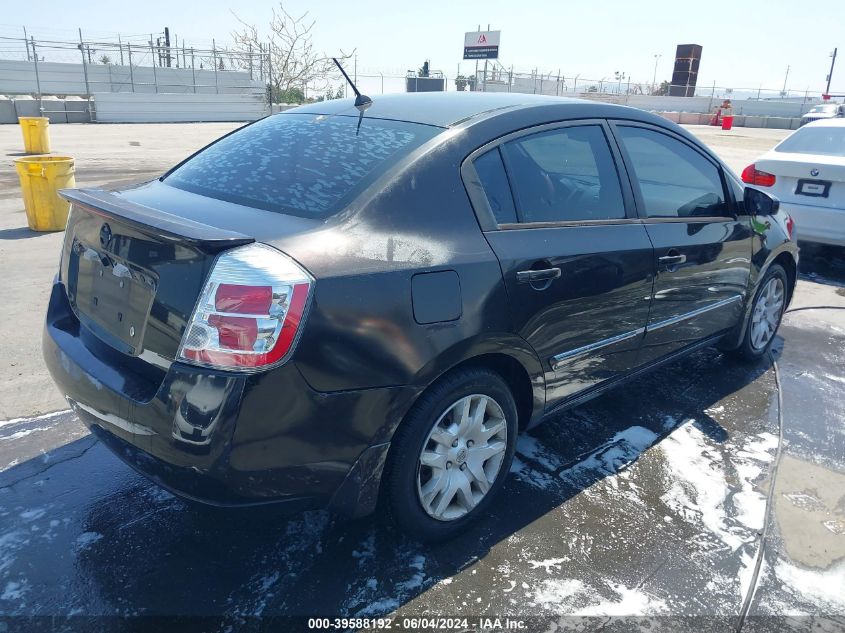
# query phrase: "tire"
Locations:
[[753, 345], [452, 481]]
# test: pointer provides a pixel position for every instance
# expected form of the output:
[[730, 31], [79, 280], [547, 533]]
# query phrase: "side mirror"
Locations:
[[759, 202]]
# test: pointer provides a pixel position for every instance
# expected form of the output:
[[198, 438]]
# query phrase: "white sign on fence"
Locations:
[[482, 44]]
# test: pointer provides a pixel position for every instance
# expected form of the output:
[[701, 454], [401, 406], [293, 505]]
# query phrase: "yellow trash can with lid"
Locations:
[[41, 178], [36, 134]]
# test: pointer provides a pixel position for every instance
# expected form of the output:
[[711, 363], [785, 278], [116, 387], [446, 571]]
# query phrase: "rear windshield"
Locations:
[[299, 164], [827, 140], [822, 108]]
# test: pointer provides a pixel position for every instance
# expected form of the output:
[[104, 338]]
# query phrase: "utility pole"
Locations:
[[26, 41], [37, 79], [270, 72], [484, 85], [153, 57], [830, 76], [476, 65], [131, 72], [84, 72], [214, 57], [783, 92], [654, 78]]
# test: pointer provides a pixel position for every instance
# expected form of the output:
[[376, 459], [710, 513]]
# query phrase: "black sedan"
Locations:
[[335, 308]]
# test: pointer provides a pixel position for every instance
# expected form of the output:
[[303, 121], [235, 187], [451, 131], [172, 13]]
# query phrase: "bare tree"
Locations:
[[294, 64]]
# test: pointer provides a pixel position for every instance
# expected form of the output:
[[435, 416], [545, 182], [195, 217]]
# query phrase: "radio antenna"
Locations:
[[362, 102]]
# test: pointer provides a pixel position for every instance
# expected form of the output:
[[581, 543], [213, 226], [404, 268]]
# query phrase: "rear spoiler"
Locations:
[[167, 225]]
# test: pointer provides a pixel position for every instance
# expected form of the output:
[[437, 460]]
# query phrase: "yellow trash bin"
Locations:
[[36, 134], [41, 178]]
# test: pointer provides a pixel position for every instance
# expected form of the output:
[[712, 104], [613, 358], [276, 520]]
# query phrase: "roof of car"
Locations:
[[443, 109]]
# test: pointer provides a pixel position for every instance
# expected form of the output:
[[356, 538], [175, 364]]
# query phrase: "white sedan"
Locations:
[[806, 172]]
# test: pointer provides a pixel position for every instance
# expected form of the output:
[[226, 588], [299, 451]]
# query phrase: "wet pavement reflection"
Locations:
[[822, 264], [84, 534]]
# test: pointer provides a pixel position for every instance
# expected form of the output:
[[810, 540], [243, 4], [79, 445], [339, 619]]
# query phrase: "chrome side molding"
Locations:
[[559, 360], [689, 315]]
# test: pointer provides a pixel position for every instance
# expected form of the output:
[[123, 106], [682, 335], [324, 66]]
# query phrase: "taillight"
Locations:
[[790, 226], [753, 176], [249, 312]]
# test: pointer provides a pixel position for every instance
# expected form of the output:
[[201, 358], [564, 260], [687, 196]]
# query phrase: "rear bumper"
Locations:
[[817, 224], [224, 438]]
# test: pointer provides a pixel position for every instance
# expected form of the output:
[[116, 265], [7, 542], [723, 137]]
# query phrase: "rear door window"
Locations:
[[300, 164], [494, 181], [564, 175], [674, 179]]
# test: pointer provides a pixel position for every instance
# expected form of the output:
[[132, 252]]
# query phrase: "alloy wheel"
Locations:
[[461, 457], [767, 313]]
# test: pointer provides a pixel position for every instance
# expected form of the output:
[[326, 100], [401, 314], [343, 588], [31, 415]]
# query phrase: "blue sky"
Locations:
[[745, 44]]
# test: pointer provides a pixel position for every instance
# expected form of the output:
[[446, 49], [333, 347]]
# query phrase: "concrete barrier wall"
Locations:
[[670, 104], [173, 108], [772, 122], [18, 77], [67, 110], [128, 107], [136, 108], [7, 110], [706, 105], [701, 105], [784, 115], [750, 107]]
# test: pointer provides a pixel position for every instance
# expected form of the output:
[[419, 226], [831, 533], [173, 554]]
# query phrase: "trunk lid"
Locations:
[[133, 272], [808, 179]]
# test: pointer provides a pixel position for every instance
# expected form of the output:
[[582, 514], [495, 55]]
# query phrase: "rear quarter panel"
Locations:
[[361, 332]]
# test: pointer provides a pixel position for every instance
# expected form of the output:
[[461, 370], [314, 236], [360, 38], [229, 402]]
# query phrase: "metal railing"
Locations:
[[498, 78], [42, 67]]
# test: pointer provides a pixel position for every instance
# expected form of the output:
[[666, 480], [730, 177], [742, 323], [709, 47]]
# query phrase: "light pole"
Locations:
[[783, 92], [654, 77], [830, 76]]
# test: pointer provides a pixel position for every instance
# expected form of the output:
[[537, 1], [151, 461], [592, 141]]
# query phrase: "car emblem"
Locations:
[[105, 235], [814, 172]]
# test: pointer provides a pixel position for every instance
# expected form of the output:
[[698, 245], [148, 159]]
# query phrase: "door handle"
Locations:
[[672, 260], [530, 276]]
